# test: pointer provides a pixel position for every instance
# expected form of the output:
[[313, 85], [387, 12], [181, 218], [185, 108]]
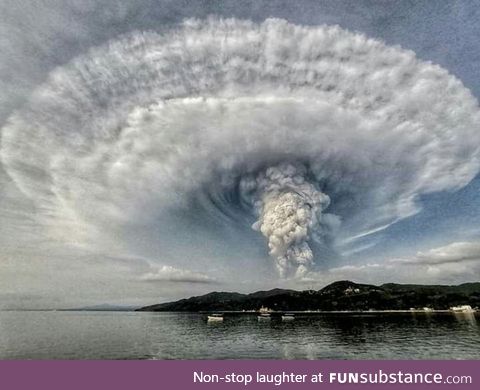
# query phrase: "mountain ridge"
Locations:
[[339, 295]]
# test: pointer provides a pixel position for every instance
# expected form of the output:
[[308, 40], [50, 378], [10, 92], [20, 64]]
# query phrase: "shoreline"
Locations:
[[312, 312]]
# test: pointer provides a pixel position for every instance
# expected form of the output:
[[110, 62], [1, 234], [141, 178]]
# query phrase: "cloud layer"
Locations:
[[151, 124], [446, 264], [167, 273]]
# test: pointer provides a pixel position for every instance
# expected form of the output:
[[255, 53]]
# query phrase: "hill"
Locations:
[[341, 295]]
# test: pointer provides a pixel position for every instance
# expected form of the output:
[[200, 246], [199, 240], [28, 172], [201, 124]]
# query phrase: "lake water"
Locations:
[[142, 335]]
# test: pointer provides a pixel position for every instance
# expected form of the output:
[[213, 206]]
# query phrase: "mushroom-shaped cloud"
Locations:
[[315, 132]]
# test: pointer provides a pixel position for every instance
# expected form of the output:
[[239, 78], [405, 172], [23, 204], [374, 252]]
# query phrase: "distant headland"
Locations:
[[338, 296]]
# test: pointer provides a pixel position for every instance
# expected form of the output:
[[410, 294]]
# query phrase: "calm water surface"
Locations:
[[132, 335]]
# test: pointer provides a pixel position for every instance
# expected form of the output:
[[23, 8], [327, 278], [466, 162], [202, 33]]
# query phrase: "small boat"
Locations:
[[264, 317], [215, 318], [288, 317]]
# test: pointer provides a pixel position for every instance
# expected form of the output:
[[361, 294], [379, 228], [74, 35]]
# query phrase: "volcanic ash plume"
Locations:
[[213, 124], [289, 209]]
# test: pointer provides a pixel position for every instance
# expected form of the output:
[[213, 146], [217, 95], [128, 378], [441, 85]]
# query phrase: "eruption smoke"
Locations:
[[289, 209], [319, 134]]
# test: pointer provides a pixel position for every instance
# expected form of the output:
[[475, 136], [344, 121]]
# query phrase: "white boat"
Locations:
[[462, 309], [264, 317], [288, 317], [215, 318]]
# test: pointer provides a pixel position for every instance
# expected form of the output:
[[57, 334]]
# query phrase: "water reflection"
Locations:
[[466, 318], [94, 335]]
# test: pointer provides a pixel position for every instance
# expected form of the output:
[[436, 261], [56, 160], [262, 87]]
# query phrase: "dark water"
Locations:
[[130, 335]]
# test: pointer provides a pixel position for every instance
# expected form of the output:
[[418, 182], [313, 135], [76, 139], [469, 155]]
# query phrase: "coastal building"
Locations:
[[350, 290], [462, 309], [265, 310]]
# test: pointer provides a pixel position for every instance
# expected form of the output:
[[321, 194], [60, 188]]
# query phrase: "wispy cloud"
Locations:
[[168, 273], [457, 252], [453, 263]]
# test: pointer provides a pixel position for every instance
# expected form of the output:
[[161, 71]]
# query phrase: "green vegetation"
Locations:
[[342, 295]]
